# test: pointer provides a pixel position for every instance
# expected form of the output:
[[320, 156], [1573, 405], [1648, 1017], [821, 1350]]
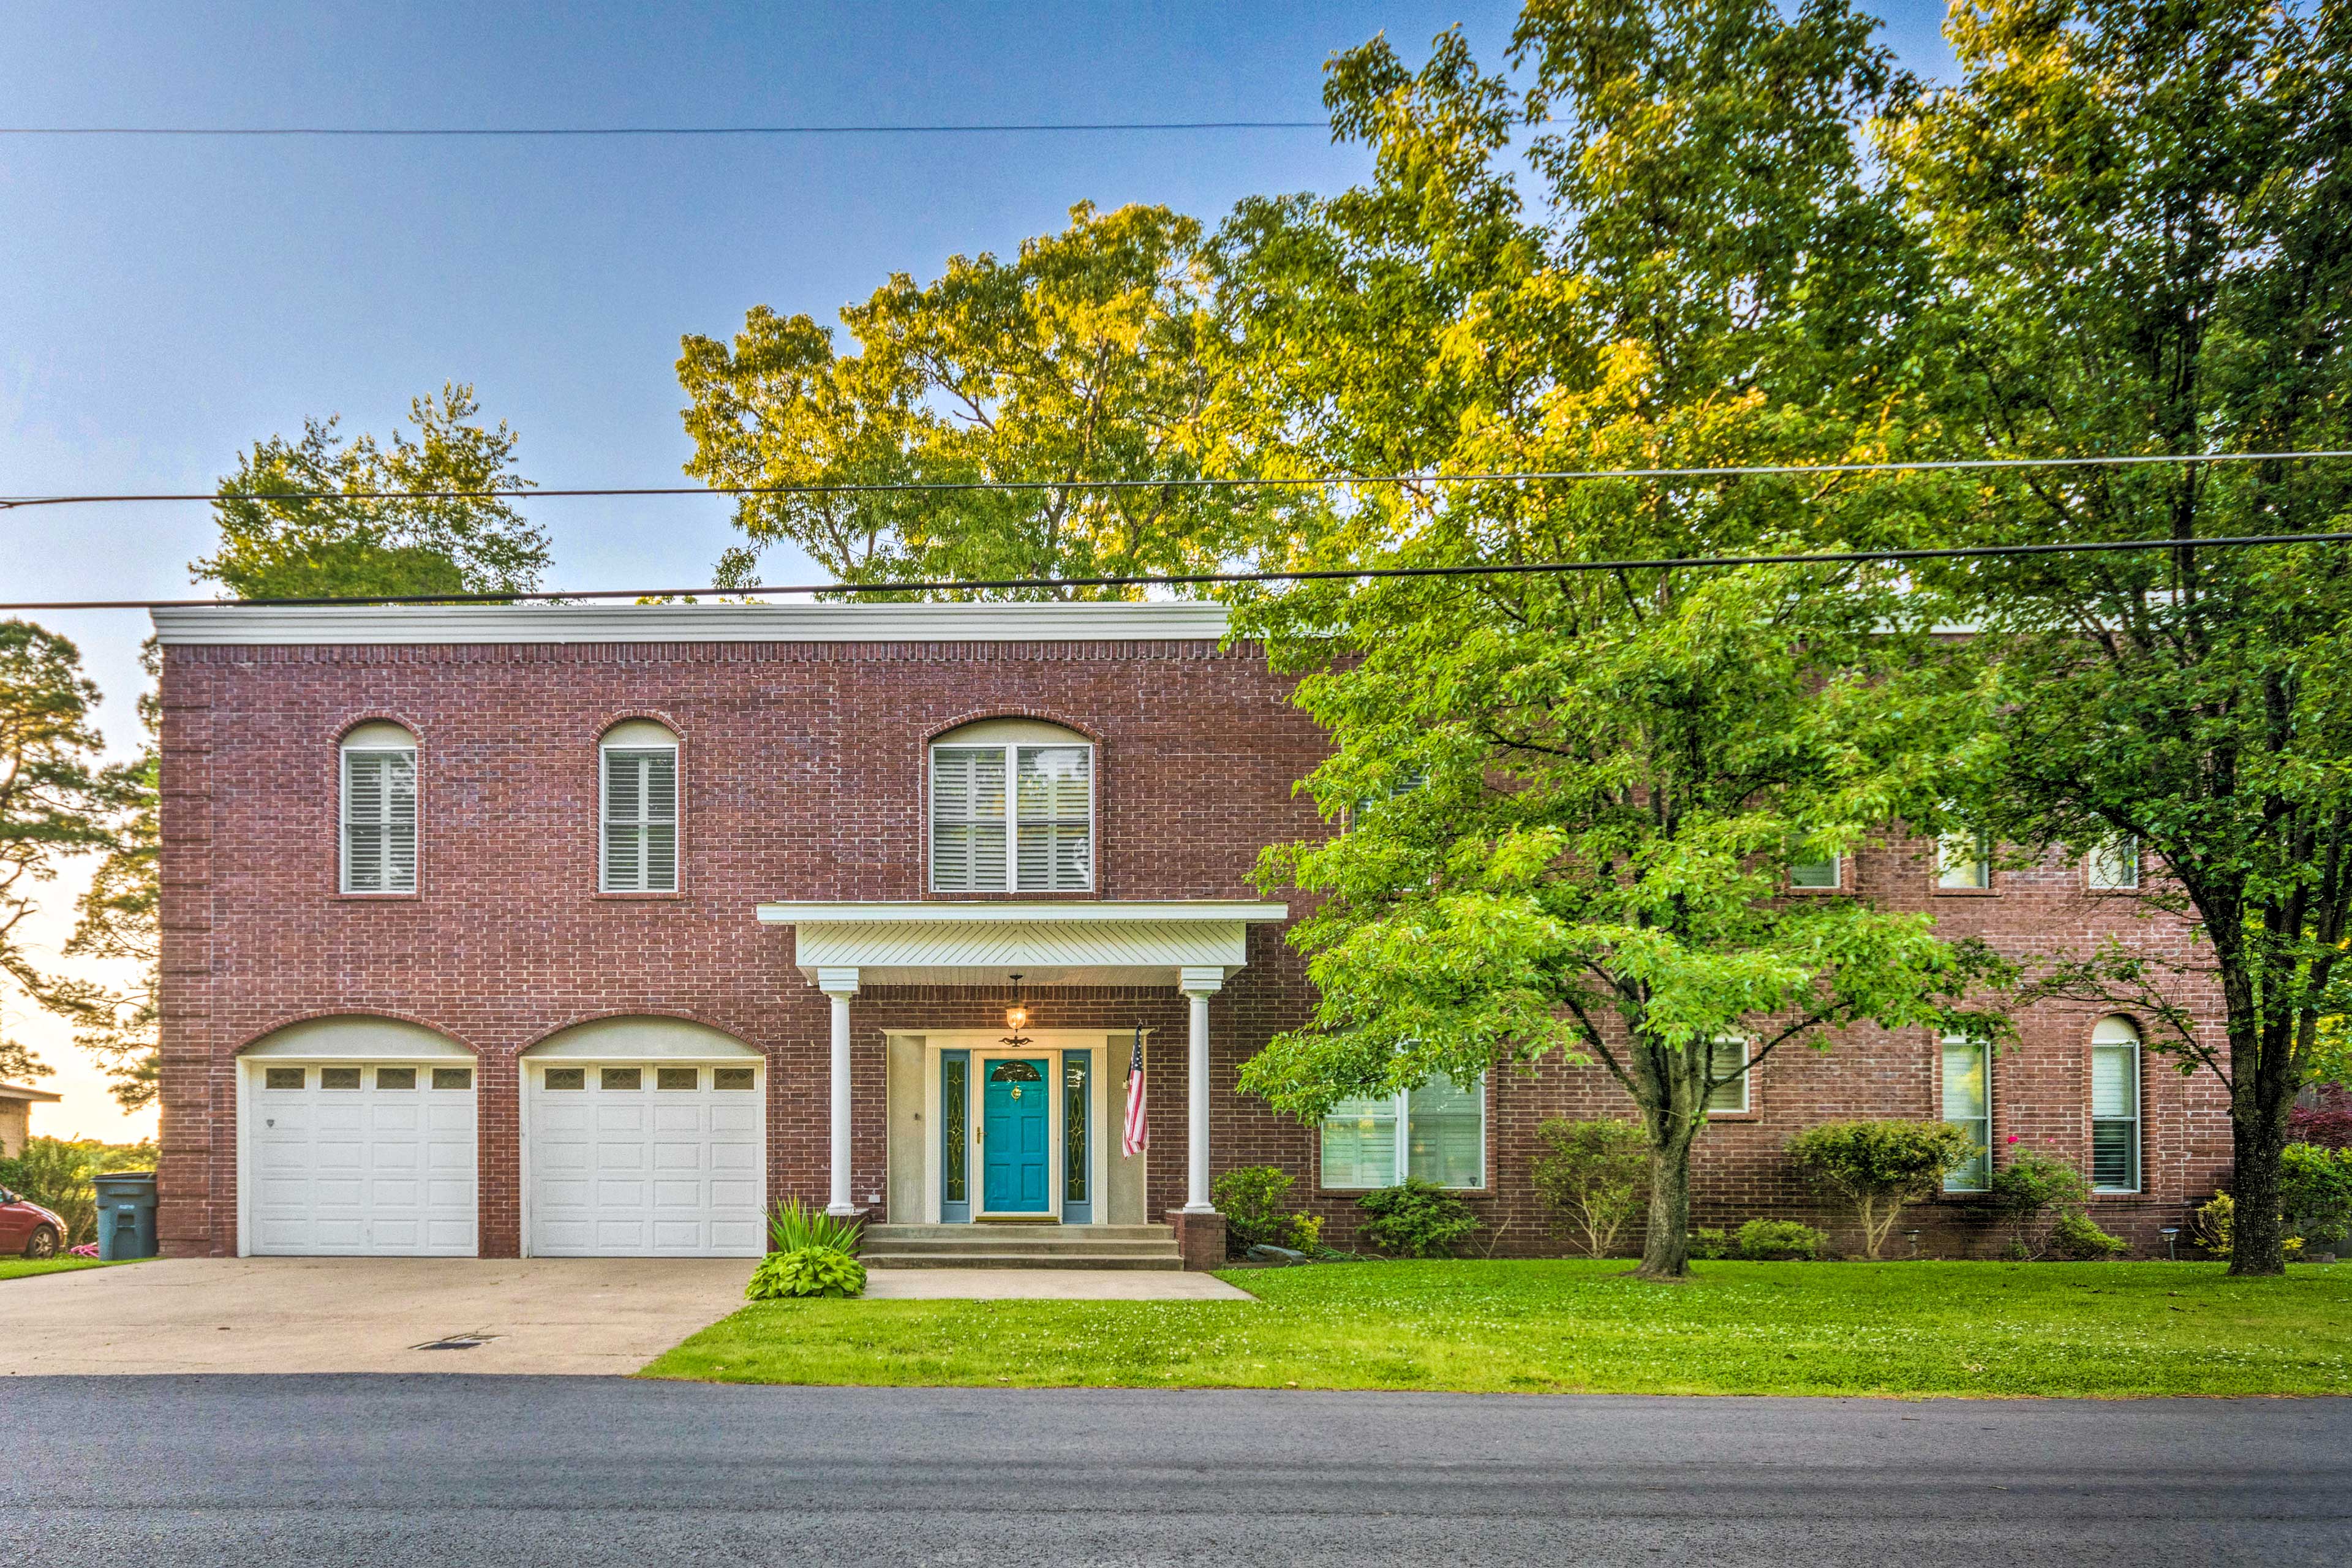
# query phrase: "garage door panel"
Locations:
[[361, 1171], [649, 1170]]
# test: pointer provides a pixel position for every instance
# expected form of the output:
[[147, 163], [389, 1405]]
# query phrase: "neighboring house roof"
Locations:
[[243, 625], [18, 1091]]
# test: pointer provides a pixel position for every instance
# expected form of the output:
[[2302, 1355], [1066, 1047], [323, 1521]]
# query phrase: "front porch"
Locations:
[[1005, 1127]]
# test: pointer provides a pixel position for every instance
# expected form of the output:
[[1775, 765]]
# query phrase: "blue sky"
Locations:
[[165, 302]]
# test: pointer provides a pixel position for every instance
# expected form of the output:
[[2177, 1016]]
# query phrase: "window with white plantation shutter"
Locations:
[[2114, 1106], [1727, 1060], [1015, 817], [968, 819], [1436, 1133], [379, 819], [640, 852]]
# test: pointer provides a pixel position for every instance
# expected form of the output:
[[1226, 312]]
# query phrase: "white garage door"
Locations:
[[360, 1158], [654, 1159]]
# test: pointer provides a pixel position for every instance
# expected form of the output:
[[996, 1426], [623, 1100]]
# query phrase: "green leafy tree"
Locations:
[[2141, 221], [119, 920], [60, 1173], [1078, 360], [1879, 1166], [55, 800], [327, 517], [1570, 800]]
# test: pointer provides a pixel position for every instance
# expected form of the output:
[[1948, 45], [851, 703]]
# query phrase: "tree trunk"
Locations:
[[1666, 1246], [2258, 1145]]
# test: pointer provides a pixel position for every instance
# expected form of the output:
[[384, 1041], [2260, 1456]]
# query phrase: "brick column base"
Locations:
[[1201, 1237]]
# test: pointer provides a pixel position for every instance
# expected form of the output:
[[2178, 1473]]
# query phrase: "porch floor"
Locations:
[[1138, 1247]]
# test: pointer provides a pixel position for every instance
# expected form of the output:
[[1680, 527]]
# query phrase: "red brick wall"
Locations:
[[803, 777]]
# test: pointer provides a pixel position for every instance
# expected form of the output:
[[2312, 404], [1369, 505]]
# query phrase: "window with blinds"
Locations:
[[640, 848], [1964, 859], [1968, 1103], [379, 819], [1727, 1059], [2115, 1107], [2112, 867], [1014, 818], [1436, 1132]]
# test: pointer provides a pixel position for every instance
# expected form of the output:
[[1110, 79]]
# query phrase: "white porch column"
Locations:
[[1198, 985], [839, 986]]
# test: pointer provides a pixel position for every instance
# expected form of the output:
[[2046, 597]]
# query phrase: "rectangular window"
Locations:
[[1017, 817], [1964, 860], [564, 1077], [379, 821], [730, 1077], [1816, 873], [2114, 865], [1437, 1133], [1727, 1059], [621, 1078], [677, 1077], [453, 1077], [1968, 1103], [396, 1077], [640, 819], [2115, 1116], [284, 1078], [339, 1078]]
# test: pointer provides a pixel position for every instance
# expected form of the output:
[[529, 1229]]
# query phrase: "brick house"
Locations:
[[568, 930]]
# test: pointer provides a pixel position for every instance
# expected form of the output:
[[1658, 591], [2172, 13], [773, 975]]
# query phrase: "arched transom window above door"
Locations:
[[1013, 809]]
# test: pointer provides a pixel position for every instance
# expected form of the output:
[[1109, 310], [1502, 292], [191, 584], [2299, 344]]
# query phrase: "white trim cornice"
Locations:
[[231, 624], [975, 912]]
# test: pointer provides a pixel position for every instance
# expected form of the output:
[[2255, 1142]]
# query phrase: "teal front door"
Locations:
[[1016, 1138]]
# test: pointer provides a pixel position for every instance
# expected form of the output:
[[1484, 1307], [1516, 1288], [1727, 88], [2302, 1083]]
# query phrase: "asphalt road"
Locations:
[[455, 1471]]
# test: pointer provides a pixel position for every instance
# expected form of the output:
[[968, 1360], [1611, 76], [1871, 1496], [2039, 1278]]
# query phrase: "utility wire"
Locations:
[[1304, 481], [1197, 579], [1026, 128]]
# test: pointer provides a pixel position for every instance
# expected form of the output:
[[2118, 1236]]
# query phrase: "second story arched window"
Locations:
[[637, 769], [379, 809], [1013, 809]]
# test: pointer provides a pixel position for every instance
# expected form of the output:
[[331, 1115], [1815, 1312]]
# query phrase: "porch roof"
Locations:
[[1066, 943]]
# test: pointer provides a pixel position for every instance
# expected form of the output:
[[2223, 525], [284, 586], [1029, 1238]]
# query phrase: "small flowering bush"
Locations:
[[809, 1271]]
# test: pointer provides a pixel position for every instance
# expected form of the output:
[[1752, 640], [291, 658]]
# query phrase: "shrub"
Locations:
[[2315, 1193], [1416, 1218], [1594, 1178], [806, 1271], [1879, 1166], [1780, 1239], [1708, 1243], [2027, 1188], [1251, 1199], [58, 1173], [2329, 1128], [2076, 1236], [795, 1227]]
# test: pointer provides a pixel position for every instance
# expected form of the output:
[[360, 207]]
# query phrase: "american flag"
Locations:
[[1138, 1128]]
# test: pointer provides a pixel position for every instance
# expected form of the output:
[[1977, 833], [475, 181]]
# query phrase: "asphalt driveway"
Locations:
[[573, 1315], [391, 1472]]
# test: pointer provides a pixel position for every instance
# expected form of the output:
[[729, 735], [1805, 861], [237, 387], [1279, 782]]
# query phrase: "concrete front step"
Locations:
[[992, 1234], [1025, 1244], [1168, 1262]]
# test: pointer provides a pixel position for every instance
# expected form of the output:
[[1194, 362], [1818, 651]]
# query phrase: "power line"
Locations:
[[1202, 579], [1019, 128], [1304, 481]]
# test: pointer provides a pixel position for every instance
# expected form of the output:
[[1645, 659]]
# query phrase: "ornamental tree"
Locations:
[[2141, 218]]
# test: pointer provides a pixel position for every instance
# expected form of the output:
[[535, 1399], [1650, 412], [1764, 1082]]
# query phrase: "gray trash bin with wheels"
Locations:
[[126, 1215]]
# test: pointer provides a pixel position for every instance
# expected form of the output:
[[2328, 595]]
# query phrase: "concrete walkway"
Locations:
[[575, 1315], [1048, 1285]]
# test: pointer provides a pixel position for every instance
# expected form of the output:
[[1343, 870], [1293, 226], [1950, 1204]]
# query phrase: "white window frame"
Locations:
[[1011, 751], [1401, 1109], [1742, 1082], [1837, 863], [2112, 867], [345, 750], [1972, 875], [604, 750], [1981, 1124], [2137, 1048]]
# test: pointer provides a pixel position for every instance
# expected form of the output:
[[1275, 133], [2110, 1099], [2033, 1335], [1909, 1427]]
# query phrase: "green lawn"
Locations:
[[18, 1267], [1970, 1329]]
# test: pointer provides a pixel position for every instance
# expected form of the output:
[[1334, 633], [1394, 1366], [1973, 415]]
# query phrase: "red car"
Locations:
[[29, 1228]]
